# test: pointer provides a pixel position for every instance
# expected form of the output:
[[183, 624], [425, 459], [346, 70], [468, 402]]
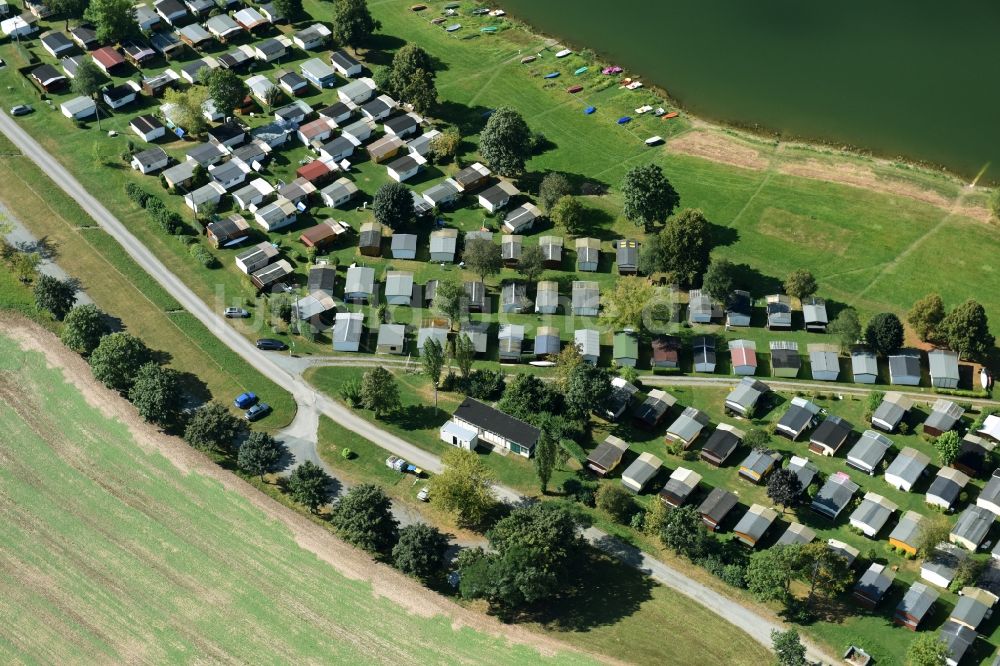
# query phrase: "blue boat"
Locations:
[[553, 75], [589, 110], [624, 119]]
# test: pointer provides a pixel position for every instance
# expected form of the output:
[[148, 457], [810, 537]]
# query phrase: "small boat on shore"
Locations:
[[643, 109], [624, 119], [635, 85], [672, 114], [552, 75], [453, 27], [580, 71], [589, 110], [613, 69], [418, 8], [654, 140], [563, 53], [438, 21], [489, 28], [574, 89], [526, 59]]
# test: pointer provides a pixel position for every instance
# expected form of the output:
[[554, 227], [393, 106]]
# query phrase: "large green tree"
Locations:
[[392, 206], [114, 20], [55, 295], [720, 280], [684, 533], [681, 249], [450, 300], [309, 485], [531, 264], [379, 391], [947, 445], [89, 79], [784, 487], [69, 9], [569, 213], [483, 257], [824, 571], [156, 394], [770, 572], [927, 649], [884, 333], [788, 648], [411, 77], [925, 317], [83, 328], [545, 457], [967, 330], [624, 305], [614, 500], [353, 23], [225, 88], [258, 454], [527, 395], [544, 534], [363, 517], [188, 109], [648, 195], [212, 428], [465, 487], [587, 388], [116, 360], [420, 551], [800, 284], [554, 186], [505, 142], [846, 327], [290, 9]]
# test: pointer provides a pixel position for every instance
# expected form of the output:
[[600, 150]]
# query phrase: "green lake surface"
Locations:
[[917, 79]]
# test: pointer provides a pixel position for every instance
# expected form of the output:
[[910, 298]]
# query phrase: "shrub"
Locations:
[[204, 257], [583, 492], [485, 384], [350, 392], [735, 575], [137, 194], [616, 502]]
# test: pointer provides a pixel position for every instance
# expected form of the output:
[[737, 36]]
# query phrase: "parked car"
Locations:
[[237, 313], [258, 411], [244, 400], [270, 344], [424, 495], [21, 110]]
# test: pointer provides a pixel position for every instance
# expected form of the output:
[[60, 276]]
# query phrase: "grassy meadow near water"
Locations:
[[113, 554]]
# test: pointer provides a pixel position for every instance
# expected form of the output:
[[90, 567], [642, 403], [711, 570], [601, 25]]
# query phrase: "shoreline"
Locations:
[[747, 130]]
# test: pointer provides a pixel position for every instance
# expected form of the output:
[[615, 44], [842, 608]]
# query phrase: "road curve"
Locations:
[[757, 626]]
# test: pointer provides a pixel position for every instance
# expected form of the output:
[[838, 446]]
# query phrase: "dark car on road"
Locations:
[[244, 400], [271, 344], [258, 411]]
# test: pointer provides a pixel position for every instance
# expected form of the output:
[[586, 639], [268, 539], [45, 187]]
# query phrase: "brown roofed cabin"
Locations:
[[607, 456], [321, 235], [370, 240]]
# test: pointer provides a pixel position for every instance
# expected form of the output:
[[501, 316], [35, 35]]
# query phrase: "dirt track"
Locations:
[[348, 561]]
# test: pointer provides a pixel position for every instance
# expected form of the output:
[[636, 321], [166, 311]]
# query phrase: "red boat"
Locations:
[[672, 114], [574, 89]]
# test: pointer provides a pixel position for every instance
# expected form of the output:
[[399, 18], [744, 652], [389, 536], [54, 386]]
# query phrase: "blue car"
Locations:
[[244, 400], [258, 411]]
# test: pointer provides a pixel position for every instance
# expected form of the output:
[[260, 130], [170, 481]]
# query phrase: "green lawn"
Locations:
[[121, 288], [113, 552]]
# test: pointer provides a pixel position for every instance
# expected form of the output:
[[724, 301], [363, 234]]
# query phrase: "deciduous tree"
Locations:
[[465, 487], [393, 206], [770, 572], [505, 142], [432, 358], [615, 501], [483, 257], [463, 354], [925, 317], [648, 195], [531, 265], [545, 457], [290, 9], [445, 145], [156, 394], [967, 330], [309, 485], [788, 648], [225, 88], [933, 530], [927, 649], [353, 23], [363, 517], [526, 395], [681, 249], [25, 264], [379, 392], [212, 427], [587, 388], [411, 77], [420, 551], [685, 534], [624, 305], [784, 487], [567, 361], [114, 20], [451, 301], [116, 360], [947, 446], [89, 79], [70, 9], [55, 295], [83, 328], [846, 327], [825, 571], [189, 107], [800, 284], [569, 213], [258, 454], [884, 333], [554, 186], [720, 280]]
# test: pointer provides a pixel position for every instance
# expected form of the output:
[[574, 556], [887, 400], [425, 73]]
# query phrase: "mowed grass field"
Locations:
[[112, 554], [122, 289]]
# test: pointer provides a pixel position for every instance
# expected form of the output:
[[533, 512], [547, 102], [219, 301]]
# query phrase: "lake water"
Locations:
[[918, 79]]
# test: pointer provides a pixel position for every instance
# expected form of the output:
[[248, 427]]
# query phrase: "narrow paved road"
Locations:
[[307, 398]]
